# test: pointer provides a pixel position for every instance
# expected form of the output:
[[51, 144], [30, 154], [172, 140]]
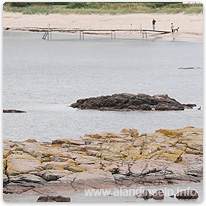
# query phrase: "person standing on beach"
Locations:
[[153, 23], [172, 27]]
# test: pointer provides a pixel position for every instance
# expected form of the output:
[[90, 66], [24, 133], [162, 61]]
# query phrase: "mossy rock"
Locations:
[[59, 141], [53, 155], [46, 159], [57, 145], [170, 133], [96, 135], [114, 135], [193, 151], [171, 156], [6, 153], [132, 132], [4, 165], [196, 145]]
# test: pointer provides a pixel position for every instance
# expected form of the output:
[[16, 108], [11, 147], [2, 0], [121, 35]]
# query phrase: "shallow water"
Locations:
[[45, 77], [81, 197]]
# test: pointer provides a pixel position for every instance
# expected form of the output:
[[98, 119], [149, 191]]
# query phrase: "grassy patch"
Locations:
[[102, 8], [192, 10]]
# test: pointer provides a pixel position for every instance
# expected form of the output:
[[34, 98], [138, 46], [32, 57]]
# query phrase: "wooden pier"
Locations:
[[112, 32]]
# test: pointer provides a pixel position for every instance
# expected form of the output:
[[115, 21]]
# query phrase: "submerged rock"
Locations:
[[187, 194], [189, 68], [140, 195], [53, 199], [13, 111], [146, 195], [159, 195], [129, 102]]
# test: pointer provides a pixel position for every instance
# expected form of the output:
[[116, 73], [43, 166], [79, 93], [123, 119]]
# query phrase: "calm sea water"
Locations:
[[45, 77]]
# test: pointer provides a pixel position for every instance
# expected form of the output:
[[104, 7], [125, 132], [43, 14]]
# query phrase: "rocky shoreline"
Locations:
[[130, 102], [103, 160]]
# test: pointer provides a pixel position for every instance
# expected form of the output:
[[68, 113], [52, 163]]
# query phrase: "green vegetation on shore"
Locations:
[[101, 7]]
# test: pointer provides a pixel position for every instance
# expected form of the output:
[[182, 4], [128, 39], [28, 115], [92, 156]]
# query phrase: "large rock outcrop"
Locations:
[[129, 102], [103, 160]]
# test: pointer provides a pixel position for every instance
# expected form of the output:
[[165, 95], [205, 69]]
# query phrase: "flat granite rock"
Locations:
[[129, 102], [22, 164], [110, 160], [94, 179]]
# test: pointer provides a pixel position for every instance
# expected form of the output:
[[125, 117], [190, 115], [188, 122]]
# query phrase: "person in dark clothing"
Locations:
[[153, 23], [172, 27]]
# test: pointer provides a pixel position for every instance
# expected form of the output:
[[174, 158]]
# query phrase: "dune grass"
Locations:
[[103, 8]]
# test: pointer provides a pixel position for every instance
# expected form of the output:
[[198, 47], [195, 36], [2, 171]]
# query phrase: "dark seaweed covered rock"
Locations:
[[13, 111], [125, 101], [187, 194], [159, 195], [53, 199], [146, 195]]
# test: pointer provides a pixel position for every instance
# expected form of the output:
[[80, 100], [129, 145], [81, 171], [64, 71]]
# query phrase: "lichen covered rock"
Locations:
[[101, 160], [22, 164]]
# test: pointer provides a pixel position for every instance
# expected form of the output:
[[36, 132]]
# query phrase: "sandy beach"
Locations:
[[190, 25]]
